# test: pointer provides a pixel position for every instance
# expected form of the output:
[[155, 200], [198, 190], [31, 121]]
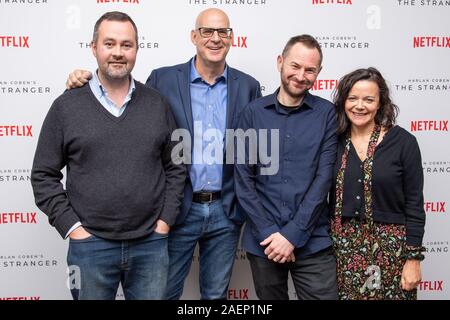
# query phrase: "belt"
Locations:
[[205, 196]]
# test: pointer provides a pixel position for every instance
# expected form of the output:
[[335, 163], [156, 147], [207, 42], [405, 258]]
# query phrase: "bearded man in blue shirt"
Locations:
[[287, 226]]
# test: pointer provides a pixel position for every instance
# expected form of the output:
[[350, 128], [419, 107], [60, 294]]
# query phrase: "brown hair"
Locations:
[[114, 16], [307, 40], [386, 114]]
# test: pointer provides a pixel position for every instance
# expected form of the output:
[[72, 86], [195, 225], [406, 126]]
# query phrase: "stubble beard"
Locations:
[[117, 73]]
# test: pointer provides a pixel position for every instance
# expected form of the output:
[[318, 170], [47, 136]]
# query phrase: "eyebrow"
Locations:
[[354, 95], [298, 65], [115, 40]]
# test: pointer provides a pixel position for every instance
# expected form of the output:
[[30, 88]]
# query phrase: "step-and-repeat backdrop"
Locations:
[[41, 41]]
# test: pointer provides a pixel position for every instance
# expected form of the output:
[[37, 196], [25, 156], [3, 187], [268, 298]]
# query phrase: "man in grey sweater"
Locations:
[[123, 191]]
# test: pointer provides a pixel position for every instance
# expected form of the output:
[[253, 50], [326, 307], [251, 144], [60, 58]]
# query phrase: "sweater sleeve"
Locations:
[[46, 175], [175, 174], [413, 191]]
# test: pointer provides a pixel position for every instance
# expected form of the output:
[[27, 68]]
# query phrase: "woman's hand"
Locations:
[[411, 275]]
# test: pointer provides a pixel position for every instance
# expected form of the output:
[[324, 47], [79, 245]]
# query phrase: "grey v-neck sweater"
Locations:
[[120, 177]]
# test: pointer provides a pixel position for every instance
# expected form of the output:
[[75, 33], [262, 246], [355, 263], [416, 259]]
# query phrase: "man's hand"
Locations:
[[278, 249], [79, 234], [78, 78], [411, 275], [162, 227]]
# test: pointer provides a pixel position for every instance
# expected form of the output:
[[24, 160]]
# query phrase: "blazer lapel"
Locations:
[[232, 88], [183, 86]]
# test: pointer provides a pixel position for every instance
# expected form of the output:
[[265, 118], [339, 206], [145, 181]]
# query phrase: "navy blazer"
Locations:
[[174, 84]]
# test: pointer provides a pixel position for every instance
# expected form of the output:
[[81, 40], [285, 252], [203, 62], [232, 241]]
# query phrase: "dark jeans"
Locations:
[[217, 237], [314, 277], [99, 265]]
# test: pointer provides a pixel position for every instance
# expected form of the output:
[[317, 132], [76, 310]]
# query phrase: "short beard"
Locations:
[[115, 74], [293, 95]]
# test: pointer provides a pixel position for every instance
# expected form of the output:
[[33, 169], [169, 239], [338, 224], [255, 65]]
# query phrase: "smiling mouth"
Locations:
[[359, 114], [299, 84]]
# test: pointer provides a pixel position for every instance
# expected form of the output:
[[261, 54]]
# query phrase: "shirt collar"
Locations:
[[100, 91], [195, 76], [273, 102]]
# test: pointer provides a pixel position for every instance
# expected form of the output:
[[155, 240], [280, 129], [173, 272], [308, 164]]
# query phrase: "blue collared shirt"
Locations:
[[209, 111], [102, 95], [293, 201]]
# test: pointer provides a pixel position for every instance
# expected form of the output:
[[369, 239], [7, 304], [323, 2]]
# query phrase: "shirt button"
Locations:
[[357, 212], [358, 197], [209, 125], [210, 106], [285, 181], [288, 136], [209, 182], [359, 180]]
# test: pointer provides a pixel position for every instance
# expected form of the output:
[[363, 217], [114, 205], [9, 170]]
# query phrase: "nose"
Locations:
[[117, 51], [300, 74], [215, 36], [359, 104]]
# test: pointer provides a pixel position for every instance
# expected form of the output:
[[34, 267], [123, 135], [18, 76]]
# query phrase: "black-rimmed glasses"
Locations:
[[208, 32]]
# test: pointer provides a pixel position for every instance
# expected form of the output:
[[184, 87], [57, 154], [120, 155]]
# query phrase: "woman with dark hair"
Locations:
[[377, 198]]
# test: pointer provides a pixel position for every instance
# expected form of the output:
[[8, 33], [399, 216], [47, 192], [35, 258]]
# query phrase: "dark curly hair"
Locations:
[[386, 114]]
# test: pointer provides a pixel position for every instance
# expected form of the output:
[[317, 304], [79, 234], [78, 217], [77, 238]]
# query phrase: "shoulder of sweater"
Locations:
[[148, 92], [402, 135], [142, 88], [72, 96]]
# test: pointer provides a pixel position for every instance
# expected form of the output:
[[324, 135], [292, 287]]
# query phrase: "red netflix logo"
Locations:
[[332, 2], [429, 125], [118, 1], [238, 294], [431, 42], [431, 285], [325, 84], [14, 41], [239, 42], [18, 217], [20, 298], [16, 131], [434, 207]]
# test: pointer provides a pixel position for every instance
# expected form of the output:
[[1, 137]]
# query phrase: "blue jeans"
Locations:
[[217, 237], [139, 265]]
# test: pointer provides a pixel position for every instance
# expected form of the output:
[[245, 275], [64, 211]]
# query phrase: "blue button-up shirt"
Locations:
[[293, 201], [209, 111], [102, 95]]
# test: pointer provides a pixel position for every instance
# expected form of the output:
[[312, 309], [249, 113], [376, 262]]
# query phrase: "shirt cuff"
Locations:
[[295, 235], [76, 225], [266, 232]]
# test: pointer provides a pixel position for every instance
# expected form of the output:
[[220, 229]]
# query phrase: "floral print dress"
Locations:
[[370, 255]]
